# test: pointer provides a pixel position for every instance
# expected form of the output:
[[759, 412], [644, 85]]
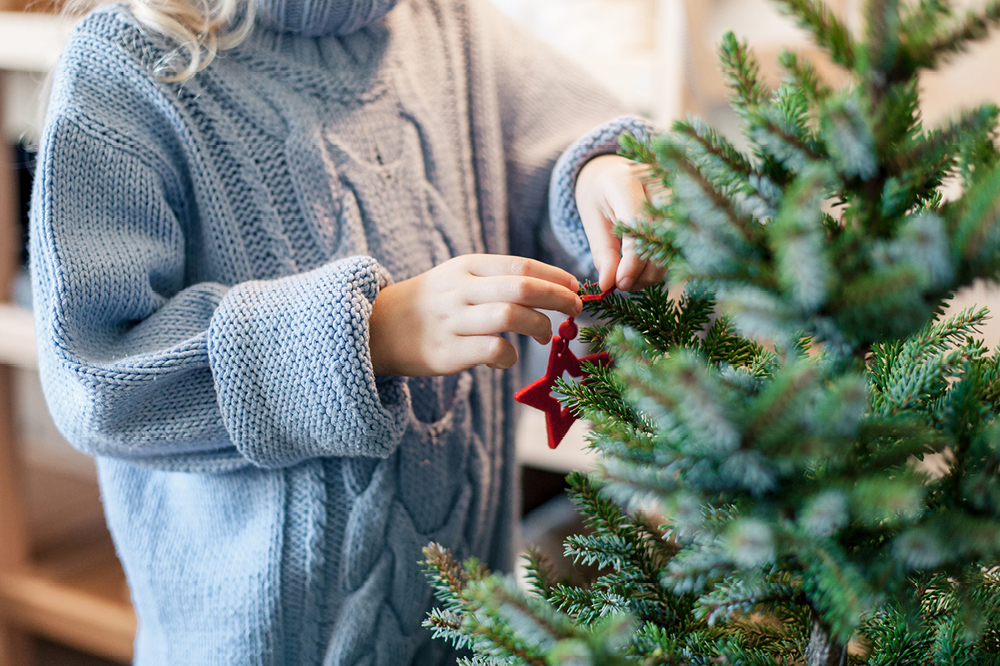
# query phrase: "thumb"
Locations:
[[631, 265], [607, 260]]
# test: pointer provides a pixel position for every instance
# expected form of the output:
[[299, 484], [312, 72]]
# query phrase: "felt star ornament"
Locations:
[[538, 394]]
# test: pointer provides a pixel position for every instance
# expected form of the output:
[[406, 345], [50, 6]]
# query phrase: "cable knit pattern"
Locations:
[[205, 257]]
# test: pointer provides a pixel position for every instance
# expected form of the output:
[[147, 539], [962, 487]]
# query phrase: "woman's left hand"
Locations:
[[608, 191]]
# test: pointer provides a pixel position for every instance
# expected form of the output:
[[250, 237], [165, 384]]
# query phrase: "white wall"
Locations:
[[614, 39]]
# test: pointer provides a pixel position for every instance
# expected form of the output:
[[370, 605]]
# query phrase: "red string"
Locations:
[[597, 297], [538, 394]]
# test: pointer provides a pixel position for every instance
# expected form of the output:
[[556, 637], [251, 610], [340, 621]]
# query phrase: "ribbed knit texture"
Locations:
[[205, 257], [322, 17]]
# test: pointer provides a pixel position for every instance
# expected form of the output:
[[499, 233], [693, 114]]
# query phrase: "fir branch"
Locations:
[[798, 458], [939, 336], [715, 145], [896, 120], [635, 149], [697, 186], [883, 303], [600, 551], [727, 168], [730, 171], [778, 643], [914, 387], [507, 602], [849, 138], [695, 568], [931, 53], [889, 442], [742, 74], [448, 576], [663, 547], [587, 606], [829, 31], [805, 77], [505, 642], [907, 375], [624, 442], [797, 242], [632, 548], [722, 344], [601, 398], [792, 105], [538, 571], [459, 622], [663, 323], [836, 589], [696, 309], [940, 146], [976, 235], [783, 143], [633, 484], [883, 44], [789, 388], [654, 241], [742, 592]]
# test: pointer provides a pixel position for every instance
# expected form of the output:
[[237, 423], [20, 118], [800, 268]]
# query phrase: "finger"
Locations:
[[628, 200], [491, 350], [494, 318], [624, 201], [495, 265], [605, 247], [525, 291], [655, 192], [631, 266], [653, 274]]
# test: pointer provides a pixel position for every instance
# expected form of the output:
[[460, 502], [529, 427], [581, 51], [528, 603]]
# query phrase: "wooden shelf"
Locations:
[[70, 607], [73, 590], [64, 511], [68, 584]]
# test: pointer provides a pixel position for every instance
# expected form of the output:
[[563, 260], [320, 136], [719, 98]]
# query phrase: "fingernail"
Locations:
[[575, 286], [625, 283]]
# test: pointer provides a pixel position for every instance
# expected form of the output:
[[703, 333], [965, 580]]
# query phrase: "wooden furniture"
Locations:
[[59, 577]]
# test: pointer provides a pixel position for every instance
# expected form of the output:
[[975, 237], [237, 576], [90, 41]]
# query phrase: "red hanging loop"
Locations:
[[538, 394]]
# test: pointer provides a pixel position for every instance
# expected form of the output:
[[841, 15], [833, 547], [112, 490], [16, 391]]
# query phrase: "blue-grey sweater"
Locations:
[[205, 256]]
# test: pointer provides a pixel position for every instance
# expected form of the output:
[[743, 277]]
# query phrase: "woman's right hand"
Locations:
[[449, 319]]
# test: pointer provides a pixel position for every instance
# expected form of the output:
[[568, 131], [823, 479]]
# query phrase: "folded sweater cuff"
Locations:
[[293, 370]]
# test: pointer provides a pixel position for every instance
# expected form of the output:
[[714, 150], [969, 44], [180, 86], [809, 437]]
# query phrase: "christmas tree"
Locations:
[[801, 457]]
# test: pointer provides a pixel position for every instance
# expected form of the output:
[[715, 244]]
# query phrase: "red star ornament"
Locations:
[[538, 394]]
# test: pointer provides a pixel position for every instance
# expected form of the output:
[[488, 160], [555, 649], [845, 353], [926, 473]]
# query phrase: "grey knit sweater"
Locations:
[[205, 257]]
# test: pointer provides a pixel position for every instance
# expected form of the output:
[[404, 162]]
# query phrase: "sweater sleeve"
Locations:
[[555, 117], [140, 364]]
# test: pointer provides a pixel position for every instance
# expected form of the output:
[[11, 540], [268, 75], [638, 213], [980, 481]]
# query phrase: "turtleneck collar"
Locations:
[[315, 18]]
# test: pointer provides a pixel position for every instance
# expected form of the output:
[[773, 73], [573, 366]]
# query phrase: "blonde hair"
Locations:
[[201, 28]]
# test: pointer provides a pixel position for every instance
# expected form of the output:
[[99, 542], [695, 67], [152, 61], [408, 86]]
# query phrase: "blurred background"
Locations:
[[63, 598]]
